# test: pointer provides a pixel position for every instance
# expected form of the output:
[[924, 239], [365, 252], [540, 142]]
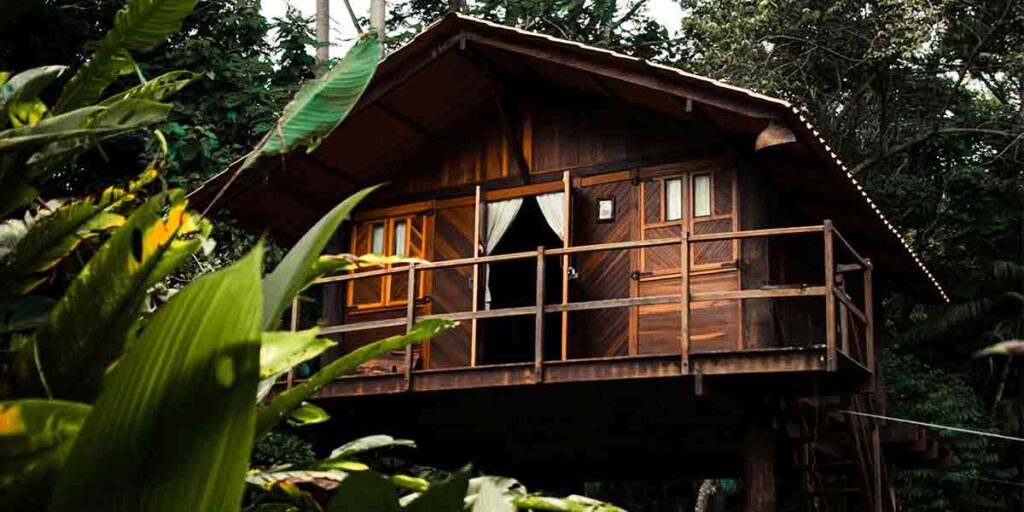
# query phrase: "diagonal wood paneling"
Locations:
[[451, 288], [602, 275]]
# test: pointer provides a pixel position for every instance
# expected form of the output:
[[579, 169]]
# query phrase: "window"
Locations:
[[674, 199], [377, 239], [702, 195], [397, 236]]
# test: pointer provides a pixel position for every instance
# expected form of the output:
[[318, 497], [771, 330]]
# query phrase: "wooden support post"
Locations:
[[566, 229], [844, 325], [684, 302], [759, 470], [830, 299], [294, 328], [410, 320], [538, 321], [869, 325], [477, 221], [876, 468]]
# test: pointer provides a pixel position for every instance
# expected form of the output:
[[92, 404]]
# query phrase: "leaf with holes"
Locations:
[[97, 316], [139, 26]]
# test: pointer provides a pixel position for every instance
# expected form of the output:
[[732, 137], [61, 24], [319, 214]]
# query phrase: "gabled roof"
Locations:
[[351, 156]]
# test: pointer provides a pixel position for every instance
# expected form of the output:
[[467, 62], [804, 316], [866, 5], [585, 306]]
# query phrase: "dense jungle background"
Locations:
[[922, 99]]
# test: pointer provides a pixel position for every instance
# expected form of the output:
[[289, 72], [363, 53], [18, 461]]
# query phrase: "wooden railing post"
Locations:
[[684, 302], [538, 321], [830, 299], [478, 212], [869, 314], [410, 320], [294, 327]]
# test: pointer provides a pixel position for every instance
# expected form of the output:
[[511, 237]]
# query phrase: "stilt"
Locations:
[[759, 470]]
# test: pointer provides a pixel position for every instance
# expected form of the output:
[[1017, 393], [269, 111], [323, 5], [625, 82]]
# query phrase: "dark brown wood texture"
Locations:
[[451, 288], [602, 275], [572, 130]]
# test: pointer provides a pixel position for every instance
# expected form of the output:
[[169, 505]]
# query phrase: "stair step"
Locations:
[[844, 464], [831, 492]]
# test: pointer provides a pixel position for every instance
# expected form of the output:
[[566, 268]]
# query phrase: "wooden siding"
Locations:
[[571, 130], [451, 288], [602, 275]]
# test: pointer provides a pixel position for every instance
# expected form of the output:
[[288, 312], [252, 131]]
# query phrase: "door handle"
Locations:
[[636, 275]]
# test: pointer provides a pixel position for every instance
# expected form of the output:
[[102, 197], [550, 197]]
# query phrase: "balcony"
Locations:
[[837, 309]]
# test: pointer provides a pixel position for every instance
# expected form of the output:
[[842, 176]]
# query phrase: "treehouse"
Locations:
[[646, 265]]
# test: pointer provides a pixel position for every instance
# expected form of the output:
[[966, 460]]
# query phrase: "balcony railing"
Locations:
[[848, 323]]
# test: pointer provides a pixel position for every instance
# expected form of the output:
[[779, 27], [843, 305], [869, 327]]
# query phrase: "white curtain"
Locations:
[[551, 205], [500, 215]]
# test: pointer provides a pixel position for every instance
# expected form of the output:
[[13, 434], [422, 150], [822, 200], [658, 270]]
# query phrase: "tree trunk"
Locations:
[[704, 495], [323, 30], [377, 9]]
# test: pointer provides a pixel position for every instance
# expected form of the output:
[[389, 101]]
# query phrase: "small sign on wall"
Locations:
[[606, 209]]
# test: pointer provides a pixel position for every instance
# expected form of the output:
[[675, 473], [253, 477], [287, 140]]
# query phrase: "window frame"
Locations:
[[389, 224]]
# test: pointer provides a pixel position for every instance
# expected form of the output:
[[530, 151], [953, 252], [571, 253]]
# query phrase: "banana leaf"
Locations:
[[173, 428], [277, 409], [97, 316], [139, 26], [321, 104], [36, 437]]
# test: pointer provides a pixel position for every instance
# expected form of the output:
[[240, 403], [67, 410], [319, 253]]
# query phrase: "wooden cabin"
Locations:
[[555, 192]]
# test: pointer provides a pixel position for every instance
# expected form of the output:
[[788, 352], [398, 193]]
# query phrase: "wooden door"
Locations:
[[603, 275], [701, 201], [451, 289]]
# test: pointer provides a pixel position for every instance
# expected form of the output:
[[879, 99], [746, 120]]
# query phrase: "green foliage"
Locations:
[[35, 439], [280, 448], [203, 343], [321, 104], [929, 394], [625, 27]]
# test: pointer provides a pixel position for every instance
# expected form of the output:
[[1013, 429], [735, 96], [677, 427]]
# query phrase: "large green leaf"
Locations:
[[368, 443], [97, 315], [299, 267], [78, 128], [321, 104], [157, 89], [173, 427], [139, 26], [26, 86], [366, 491], [281, 350], [275, 411], [35, 439]]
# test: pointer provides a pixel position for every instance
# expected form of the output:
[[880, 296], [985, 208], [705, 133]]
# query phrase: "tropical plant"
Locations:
[[348, 471]]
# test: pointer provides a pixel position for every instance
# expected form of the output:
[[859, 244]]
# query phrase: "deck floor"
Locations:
[[795, 364]]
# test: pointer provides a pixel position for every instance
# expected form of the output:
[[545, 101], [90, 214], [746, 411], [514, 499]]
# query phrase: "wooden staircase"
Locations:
[[836, 457]]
